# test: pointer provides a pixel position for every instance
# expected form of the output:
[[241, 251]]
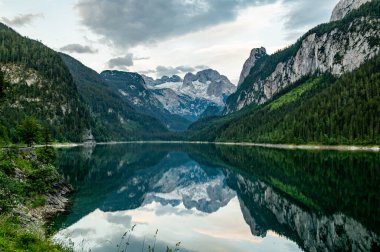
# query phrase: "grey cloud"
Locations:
[[185, 69], [202, 67], [169, 71], [127, 23], [77, 48], [304, 13], [121, 62], [149, 71], [141, 58], [21, 20]]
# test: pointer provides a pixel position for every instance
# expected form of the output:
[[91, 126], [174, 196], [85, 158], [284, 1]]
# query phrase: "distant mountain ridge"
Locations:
[[193, 95], [114, 118], [132, 88]]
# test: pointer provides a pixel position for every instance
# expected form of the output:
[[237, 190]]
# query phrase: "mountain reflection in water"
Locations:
[[220, 198]]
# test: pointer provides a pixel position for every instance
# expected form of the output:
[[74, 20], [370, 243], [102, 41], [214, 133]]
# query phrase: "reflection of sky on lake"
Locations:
[[214, 198], [223, 230]]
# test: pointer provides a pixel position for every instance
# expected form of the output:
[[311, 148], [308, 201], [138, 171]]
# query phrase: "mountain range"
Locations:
[[324, 88], [193, 95]]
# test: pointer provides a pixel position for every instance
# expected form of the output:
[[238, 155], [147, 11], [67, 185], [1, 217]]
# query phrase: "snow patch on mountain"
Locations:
[[193, 95]]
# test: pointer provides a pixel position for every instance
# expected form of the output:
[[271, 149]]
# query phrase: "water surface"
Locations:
[[220, 198]]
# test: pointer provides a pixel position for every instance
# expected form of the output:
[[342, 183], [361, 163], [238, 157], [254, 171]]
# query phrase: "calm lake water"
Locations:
[[220, 198]]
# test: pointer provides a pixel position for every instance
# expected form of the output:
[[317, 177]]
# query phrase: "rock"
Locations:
[[19, 174], [87, 136], [270, 210], [56, 201], [188, 80], [338, 51], [195, 94], [256, 54], [344, 7]]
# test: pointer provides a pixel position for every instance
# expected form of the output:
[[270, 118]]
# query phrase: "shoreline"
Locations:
[[374, 148]]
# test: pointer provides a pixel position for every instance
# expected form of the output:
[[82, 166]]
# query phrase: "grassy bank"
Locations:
[[27, 180]]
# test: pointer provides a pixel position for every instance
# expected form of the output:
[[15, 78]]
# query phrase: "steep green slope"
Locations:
[[317, 109], [362, 19], [114, 119], [40, 85]]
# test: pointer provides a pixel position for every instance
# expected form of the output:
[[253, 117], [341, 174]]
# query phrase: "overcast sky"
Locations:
[[164, 37]]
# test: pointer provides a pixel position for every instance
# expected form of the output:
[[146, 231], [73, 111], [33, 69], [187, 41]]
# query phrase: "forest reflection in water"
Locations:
[[221, 198]]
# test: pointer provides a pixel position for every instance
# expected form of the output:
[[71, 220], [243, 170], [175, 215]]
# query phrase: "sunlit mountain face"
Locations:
[[240, 198]]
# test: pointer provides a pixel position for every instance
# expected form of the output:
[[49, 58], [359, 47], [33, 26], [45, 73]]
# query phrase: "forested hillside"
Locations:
[[336, 47], [35, 82], [317, 109], [114, 119]]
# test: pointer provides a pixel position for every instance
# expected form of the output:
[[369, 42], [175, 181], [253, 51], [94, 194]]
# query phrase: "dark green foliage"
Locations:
[[343, 111], [266, 65], [324, 181], [53, 99], [3, 85], [42, 177], [46, 155], [25, 176], [211, 110], [29, 131], [14, 237], [114, 119]]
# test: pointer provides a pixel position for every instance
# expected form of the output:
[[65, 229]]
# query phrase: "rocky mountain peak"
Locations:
[[208, 75], [188, 79], [256, 54], [205, 76], [344, 7], [192, 96]]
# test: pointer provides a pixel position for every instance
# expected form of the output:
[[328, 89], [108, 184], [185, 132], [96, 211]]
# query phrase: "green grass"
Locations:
[[294, 94], [14, 237], [25, 179]]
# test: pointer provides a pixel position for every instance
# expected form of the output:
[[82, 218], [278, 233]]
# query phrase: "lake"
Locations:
[[132, 197]]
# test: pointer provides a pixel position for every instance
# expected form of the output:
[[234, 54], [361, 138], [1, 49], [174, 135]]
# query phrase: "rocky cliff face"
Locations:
[[337, 48], [269, 210], [344, 7], [191, 96], [256, 54]]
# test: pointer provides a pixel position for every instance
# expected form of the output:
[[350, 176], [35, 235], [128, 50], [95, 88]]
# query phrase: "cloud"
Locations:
[[141, 58], [121, 62], [303, 13], [77, 48], [149, 71], [127, 23], [169, 71], [22, 19], [185, 69], [202, 67]]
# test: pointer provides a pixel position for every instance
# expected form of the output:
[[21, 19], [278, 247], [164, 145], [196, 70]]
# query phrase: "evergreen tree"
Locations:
[[29, 131]]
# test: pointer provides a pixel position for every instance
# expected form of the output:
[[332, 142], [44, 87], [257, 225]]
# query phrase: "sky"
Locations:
[[164, 37]]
